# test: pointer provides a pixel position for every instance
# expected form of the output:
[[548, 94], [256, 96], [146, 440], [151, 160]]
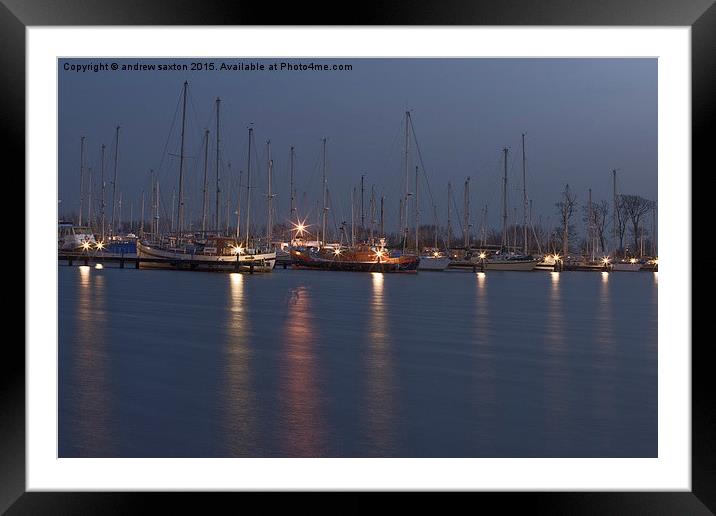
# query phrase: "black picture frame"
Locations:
[[700, 15]]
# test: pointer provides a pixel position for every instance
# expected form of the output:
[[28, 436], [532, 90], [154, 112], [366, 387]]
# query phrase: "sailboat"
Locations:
[[505, 260], [371, 256], [184, 251]]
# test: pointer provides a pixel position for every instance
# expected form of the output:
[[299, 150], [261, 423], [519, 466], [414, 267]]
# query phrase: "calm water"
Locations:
[[311, 363]]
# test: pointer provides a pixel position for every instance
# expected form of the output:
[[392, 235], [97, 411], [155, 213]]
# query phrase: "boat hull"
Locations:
[[626, 267], [510, 265], [164, 258], [430, 263], [401, 264]]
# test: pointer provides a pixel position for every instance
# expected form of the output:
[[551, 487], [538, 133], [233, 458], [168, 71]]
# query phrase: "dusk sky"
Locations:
[[581, 117]]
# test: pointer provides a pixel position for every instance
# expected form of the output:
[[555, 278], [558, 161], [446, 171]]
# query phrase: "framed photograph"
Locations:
[[433, 250]]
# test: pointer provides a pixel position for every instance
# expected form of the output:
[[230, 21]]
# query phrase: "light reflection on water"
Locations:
[[484, 367], [556, 371], [379, 403], [301, 425], [90, 370], [239, 423], [302, 363]]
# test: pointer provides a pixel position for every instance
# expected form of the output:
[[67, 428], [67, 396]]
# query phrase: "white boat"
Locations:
[[631, 265], [435, 261], [217, 254], [548, 263], [509, 262], [74, 238]]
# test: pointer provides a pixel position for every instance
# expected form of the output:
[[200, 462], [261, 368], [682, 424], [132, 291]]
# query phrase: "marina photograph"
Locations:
[[359, 257]]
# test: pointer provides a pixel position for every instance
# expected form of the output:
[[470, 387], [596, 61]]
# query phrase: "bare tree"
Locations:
[[635, 207], [621, 218], [600, 213], [565, 209]]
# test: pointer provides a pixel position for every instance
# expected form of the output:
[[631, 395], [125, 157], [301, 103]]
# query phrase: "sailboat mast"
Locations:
[[504, 203], [206, 183], [524, 197], [466, 217], [103, 186], [382, 220], [180, 206], [590, 227], [89, 197], [292, 208], [238, 208], [218, 161], [372, 212], [323, 219], [362, 192], [248, 188], [157, 208], [614, 211], [228, 198], [407, 178], [141, 223], [449, 212], [353, 221], [269, 197], [435, 216], [82, 178], [417, 211], [114, 181]]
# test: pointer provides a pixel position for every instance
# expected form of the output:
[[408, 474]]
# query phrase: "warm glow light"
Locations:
[[100, 245], [85, 245], [482, 256], [436, 254], [337, 251], [99, 266], [605, 260], [556, 257], [300, 227], [632, 260], [237, 249], [379, 254]]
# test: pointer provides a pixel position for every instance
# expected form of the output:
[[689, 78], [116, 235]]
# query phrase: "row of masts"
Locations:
[[322, 236]]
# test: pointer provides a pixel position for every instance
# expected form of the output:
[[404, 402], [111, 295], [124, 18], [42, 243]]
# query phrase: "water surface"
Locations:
[[329, 364]]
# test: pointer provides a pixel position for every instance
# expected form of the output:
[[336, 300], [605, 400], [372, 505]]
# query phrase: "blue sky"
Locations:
[[581, 117]]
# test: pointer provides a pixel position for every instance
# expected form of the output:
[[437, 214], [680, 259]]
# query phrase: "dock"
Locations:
[[132, 260]]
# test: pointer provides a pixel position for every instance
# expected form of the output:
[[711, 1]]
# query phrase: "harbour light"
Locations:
[[85, 245], [99, 266], [482, 256], [100, 246]]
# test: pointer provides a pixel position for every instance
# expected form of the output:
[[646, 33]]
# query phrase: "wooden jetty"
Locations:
[[132, 260]]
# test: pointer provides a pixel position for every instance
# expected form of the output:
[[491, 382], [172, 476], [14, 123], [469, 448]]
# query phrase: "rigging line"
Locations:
[[171, 130]]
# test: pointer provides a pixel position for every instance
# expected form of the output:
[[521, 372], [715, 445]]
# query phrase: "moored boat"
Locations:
[[361, 258], [71, 237], [435, 261], [216, 253], [509, 262]]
